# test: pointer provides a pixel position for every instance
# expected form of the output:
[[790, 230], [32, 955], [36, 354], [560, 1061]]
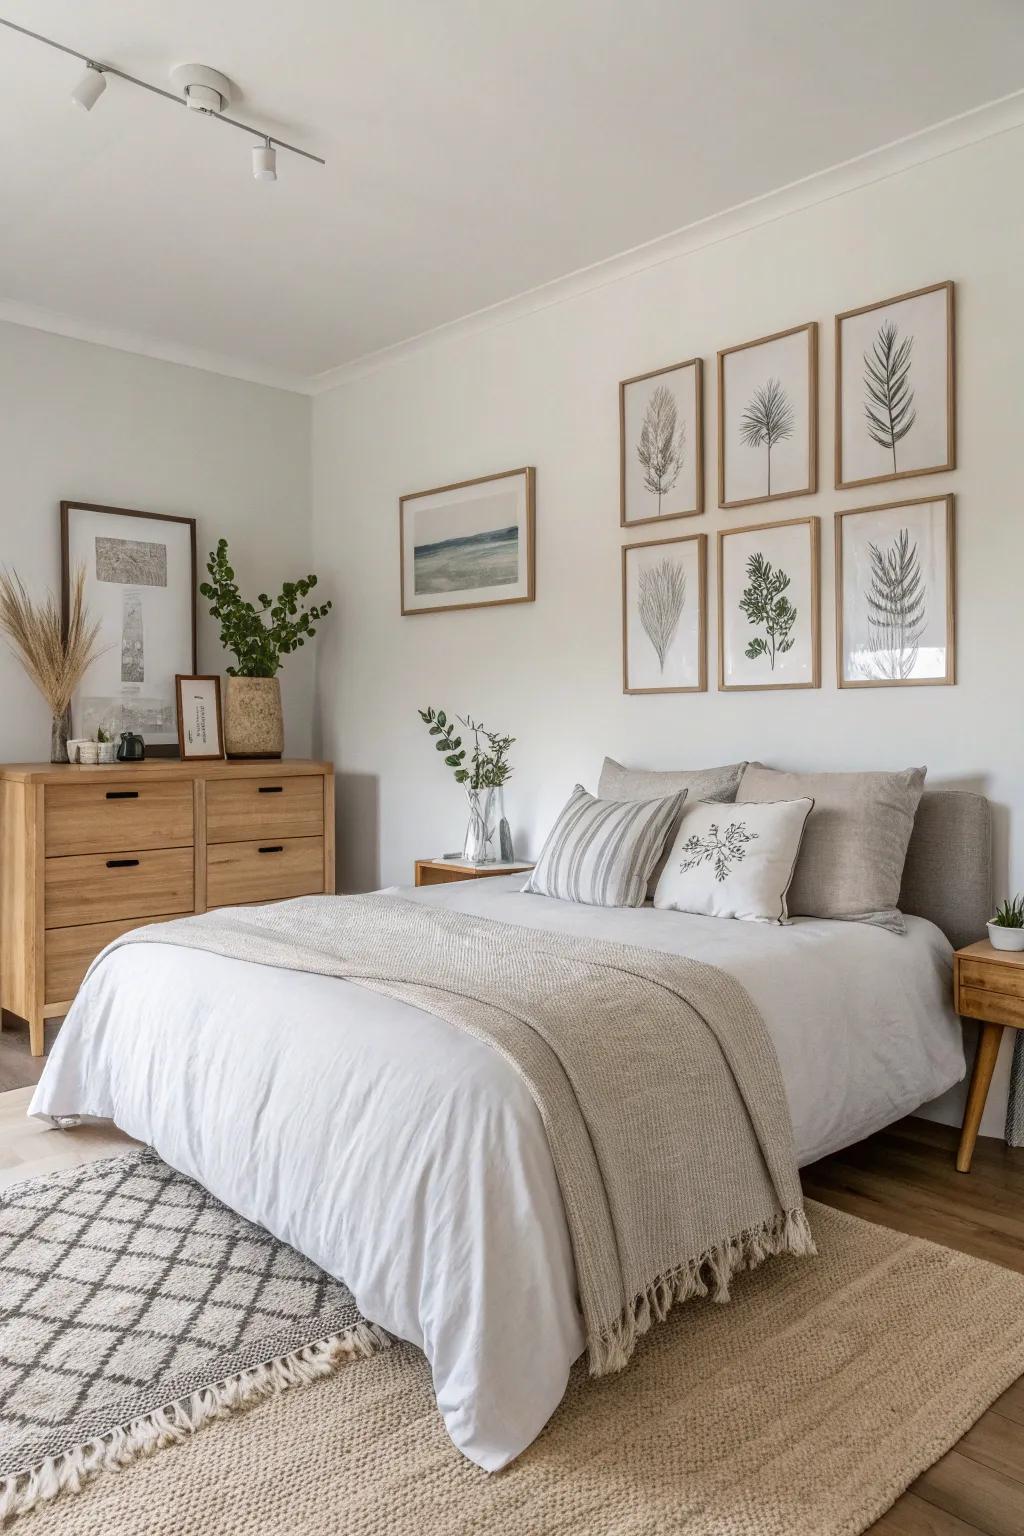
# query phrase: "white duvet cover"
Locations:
[[409, 1159]]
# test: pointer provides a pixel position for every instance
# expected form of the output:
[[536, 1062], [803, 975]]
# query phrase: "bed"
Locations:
[[409, 1159]]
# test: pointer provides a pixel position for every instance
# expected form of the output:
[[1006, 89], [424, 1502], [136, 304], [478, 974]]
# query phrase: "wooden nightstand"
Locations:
[[988, 985], [442, 871]]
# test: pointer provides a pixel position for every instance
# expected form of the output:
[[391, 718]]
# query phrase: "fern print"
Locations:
[[889, 406], [768, 419], [724, 849], [766, 605], [661, 596], [896, 608]]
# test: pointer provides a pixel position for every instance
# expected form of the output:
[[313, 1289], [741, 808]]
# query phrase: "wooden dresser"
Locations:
[[88, 853]]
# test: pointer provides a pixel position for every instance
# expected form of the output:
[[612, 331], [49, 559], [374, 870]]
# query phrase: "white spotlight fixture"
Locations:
[[90, 88], [264, 162]]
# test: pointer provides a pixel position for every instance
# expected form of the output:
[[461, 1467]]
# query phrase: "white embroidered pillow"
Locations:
[[734, 860]]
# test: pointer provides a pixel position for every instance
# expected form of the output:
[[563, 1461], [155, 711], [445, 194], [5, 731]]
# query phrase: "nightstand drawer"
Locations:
[[118, 813], [101, 887], [238, 873], [989, 976], [238, 810], [992, 1007]]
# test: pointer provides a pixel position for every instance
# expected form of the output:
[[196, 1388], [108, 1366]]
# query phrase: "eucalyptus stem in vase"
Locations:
[[483, 770]]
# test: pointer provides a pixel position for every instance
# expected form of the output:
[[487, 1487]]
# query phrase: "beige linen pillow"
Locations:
[[734, 861], [855, 843], [619, 783]]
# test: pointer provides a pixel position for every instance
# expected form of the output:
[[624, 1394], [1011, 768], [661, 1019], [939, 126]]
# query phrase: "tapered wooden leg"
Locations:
[[981, 1078], [36, 1035]]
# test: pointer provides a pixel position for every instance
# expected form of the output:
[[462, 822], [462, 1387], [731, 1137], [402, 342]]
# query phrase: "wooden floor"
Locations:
[[903, 1178], [17, 1066]]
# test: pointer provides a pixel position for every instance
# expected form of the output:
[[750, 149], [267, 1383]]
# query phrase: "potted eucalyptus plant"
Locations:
[[483, 770], [258, 637]]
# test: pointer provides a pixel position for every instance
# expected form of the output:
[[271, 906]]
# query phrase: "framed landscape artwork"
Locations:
[[661, 444], [140, 584], [664, 616], [468, 545], [895, 594], [768, 418], [895, 388], [769, 616]]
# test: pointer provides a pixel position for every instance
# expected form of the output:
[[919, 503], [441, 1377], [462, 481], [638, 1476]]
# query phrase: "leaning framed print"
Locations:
[[661, 444], [768, 418], [140, 583], [468, 545], [200, 727], [896, 594], [769, 605], [664, 616], [896, 388]]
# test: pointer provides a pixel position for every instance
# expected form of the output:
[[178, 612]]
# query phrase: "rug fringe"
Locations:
[[706, 1275], [174, 1422]]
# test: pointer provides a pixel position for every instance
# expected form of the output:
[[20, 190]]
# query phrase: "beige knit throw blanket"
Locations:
[[655, 1078]]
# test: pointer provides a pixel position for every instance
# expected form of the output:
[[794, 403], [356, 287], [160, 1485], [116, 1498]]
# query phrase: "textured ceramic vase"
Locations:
[[253, 725]]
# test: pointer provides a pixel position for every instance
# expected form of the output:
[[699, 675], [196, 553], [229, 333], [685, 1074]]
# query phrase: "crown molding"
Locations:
[[945, 138], [142, 345]]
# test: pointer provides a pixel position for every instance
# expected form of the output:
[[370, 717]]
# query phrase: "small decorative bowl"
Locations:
[[1005, 938], [105, 752], [73, 747], [88, 752]]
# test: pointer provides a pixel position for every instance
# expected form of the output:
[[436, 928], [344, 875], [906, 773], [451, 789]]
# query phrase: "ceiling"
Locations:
[[475, 150]]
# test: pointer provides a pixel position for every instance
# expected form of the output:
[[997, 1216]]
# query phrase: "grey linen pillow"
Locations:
[[619, 783], [855, 843], [602, 852]]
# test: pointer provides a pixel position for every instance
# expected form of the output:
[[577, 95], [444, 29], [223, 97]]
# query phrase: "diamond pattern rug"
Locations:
[[133, 1306]]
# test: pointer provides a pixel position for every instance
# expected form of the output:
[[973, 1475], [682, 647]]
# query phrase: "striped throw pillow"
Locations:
[[602, 852]]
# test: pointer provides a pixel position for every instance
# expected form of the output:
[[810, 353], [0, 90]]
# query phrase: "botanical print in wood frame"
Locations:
[[140, 583], [896, 594], [768, 418], [664, 616], [896, 388], [769, 605], [661, 444], [468, 545], [200, 725]]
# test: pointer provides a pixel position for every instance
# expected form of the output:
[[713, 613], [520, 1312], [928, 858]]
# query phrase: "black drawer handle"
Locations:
[[275, 848], [122, 863], [122, 794], [270, 789]]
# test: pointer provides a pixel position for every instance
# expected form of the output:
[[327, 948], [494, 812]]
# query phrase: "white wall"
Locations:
[[79, 421], [542, 389]]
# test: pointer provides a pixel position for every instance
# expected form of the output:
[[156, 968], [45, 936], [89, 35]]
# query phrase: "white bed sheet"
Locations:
[[409, 1159]]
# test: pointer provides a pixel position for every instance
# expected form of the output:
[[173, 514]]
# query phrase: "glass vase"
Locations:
[[478, 847]]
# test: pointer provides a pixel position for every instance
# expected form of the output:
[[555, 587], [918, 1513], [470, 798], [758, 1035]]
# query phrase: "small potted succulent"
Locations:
[[1006, 929]]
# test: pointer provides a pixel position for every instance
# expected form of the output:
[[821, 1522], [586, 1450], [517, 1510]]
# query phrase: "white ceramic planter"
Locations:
[[1005, 938]]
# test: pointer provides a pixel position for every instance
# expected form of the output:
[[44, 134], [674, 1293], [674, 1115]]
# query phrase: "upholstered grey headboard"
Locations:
[[948, 873]]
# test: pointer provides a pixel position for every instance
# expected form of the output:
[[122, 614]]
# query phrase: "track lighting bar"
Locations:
[[87, 94]]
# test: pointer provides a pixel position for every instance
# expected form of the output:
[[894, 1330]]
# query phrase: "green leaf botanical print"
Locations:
[[662, 446], [767, 420], [896, 607], [889, 406], [724, 849], [766, 606], [660, 600]]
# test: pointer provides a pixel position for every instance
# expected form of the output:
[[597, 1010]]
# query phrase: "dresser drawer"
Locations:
[[115, 814], [989, 976], [70, 952], [241, 810], [102, 887], [237, 873], [991, 1007]]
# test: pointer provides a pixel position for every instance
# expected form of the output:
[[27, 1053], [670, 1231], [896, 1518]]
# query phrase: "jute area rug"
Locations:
[[803, 1408]]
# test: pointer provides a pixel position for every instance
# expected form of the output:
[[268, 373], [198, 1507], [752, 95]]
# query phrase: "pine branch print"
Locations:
[[889, 406], [768, 419], [896, 607], [662, 446], [661, 597]]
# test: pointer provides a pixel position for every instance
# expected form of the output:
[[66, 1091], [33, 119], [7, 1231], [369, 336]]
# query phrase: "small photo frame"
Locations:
[[200, 727], [896, 594], [768, 418], [769, 605], [468, 545], [664, 616], [661, 444], [896, 388]]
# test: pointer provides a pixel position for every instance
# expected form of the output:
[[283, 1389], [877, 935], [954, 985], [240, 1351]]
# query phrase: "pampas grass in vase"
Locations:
[[53, 659]]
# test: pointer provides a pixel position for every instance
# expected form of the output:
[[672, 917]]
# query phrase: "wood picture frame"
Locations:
[[462, 552], [699, 636], [184, 736], [813, 649], [807, 385], [153, 714], [948, 459], [696, 365], [901, 663]]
